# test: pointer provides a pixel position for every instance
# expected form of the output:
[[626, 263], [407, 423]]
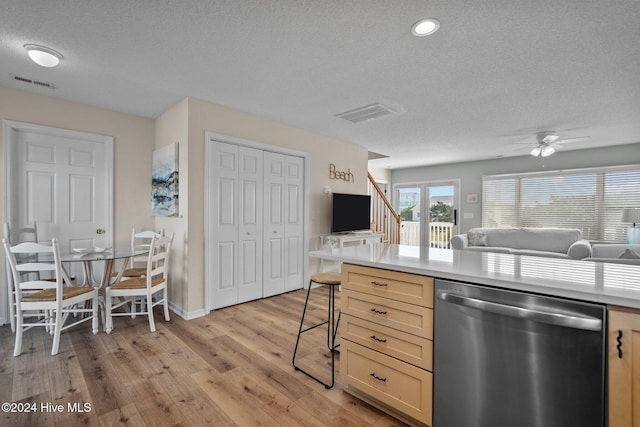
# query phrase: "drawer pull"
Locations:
[[376, 311], [373, 374], [375, 338], [378, 284]]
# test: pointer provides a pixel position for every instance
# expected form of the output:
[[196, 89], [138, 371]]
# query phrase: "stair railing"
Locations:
[[384, 218]]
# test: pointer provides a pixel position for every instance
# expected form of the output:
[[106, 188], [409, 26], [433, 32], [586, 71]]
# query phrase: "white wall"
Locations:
[[471, 173]]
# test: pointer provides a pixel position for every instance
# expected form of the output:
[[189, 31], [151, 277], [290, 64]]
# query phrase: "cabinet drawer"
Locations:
[[411, 288], [399, 385], [405, 317], [409, 348]]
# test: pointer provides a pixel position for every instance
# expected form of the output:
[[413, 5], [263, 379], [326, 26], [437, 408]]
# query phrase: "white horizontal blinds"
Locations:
[[500, 199], [621, 190], [566, 201], [588, 199]]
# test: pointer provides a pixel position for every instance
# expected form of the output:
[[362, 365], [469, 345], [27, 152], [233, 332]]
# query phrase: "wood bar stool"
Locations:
[[332, 281]]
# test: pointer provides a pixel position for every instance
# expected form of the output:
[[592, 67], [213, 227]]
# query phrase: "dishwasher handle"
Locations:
[[570, 321]]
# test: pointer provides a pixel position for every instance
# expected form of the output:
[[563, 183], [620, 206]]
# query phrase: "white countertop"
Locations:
[[607, 283]]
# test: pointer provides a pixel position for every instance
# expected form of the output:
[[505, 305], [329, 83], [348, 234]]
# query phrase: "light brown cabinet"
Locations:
[[386, 354], [624, 367]]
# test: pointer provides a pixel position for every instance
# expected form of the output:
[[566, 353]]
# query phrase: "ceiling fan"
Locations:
[[548, 141]]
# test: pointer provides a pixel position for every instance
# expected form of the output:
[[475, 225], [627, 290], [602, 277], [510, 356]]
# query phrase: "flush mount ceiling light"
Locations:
[[425, 27], [43, 56]]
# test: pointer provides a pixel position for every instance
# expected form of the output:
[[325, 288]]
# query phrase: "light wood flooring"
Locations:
[[229, 368]]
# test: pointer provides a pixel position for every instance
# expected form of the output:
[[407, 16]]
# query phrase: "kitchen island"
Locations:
[[388, 306], [605, 283]]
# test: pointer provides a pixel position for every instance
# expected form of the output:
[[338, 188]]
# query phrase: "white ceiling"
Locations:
[[494, 74]]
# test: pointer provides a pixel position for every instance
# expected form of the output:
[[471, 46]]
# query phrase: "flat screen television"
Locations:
[[350, 212]]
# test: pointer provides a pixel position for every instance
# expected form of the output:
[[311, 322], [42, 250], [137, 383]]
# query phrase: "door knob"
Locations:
[[100, 231]]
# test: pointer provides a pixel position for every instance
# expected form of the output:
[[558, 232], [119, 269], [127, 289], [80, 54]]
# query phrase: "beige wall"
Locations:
[[136, 137], [173, 126], [133, 137], [204, 116]]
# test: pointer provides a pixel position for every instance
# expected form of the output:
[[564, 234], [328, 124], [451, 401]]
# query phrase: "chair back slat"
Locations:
[[36, 266], [19, 272], [158, 259], [142, 240]]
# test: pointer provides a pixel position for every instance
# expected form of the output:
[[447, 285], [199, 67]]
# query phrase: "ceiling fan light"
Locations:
[[535, 151], [43, 56], [547, 150]]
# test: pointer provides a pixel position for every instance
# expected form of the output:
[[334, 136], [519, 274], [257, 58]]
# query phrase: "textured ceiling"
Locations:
[[494, 74]]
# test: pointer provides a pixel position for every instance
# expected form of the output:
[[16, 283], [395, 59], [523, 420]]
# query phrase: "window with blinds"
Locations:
[[591, 200]]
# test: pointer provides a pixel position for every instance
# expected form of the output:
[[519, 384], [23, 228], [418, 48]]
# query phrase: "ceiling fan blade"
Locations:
[[550, 139], [570, 140]]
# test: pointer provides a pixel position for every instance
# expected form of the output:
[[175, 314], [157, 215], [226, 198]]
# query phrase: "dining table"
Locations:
[[90, 256]]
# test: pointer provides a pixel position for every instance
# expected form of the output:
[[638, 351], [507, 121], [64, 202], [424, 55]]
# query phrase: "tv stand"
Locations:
[[351, 239], [340, 240]]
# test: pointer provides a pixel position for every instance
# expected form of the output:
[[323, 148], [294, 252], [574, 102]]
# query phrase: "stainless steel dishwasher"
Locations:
[[512, 359]]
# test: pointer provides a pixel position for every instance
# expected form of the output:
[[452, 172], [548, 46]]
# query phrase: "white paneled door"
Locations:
[[237, 224], [294, 222], [61, 180], [250, 224], [274, 224], [255, 237], [283, 208], [224, 233]]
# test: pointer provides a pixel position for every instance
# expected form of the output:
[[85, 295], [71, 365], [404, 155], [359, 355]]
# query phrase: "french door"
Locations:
[[429, 213]]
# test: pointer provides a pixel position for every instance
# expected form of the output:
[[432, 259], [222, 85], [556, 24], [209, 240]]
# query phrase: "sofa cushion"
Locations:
[[629, 254], [540, 239], [613, 250], [489, 249], [538, 253], [549, 239], [477, 238]]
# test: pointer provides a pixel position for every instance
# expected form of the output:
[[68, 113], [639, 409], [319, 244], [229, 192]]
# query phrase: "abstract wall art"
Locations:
[[164, 175]]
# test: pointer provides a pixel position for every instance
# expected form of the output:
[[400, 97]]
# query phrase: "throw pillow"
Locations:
[[477, 238], [629, 254]]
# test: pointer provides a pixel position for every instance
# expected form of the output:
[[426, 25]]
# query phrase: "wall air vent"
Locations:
[[368, 112], [33, 82]]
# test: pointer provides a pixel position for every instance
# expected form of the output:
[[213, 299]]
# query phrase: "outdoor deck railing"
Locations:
[[439, 234]]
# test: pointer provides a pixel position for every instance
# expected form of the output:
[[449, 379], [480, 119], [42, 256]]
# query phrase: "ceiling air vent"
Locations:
[[33, 82], [368, 112]]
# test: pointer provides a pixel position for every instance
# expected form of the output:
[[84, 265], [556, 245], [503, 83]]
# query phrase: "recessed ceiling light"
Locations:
[[425, 27], [42, 55]]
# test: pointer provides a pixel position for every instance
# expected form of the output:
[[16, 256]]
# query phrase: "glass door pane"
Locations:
[[408, 206], [441, 218]]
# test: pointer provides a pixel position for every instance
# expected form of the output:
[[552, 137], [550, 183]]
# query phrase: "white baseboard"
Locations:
[[187, 315]]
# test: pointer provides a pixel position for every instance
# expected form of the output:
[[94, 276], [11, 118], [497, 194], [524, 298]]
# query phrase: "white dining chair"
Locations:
[[23, 234], [33, 297], [152, 284], [140, 240]]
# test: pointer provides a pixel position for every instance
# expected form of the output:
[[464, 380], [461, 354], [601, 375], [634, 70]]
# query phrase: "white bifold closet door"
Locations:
[[257, 224], [283, 225], [237, 210]]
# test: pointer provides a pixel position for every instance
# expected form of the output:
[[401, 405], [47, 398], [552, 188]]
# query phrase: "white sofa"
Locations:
[[616, 253], [550, 242]]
